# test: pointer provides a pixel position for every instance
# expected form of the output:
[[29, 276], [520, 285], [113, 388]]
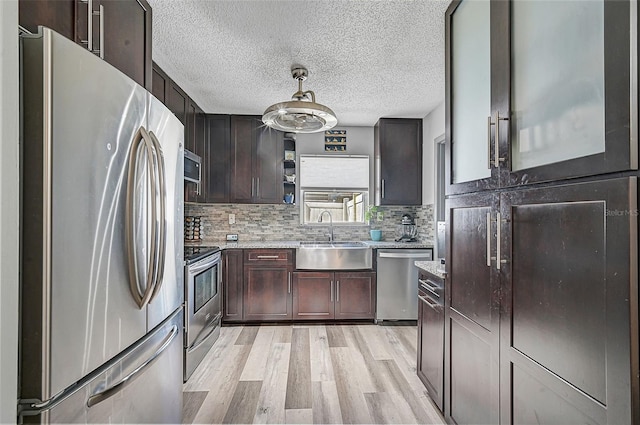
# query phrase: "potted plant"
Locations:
[[373, 215]]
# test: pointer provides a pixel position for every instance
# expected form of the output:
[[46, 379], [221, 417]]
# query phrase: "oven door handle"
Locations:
[[215, 322]]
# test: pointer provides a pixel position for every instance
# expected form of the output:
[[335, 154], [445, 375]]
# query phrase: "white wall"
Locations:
[[8, 209], [359, 142], [432, 127]]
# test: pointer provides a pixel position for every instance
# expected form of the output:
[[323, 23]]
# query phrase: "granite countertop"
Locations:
[[296, 244], [433, 267]]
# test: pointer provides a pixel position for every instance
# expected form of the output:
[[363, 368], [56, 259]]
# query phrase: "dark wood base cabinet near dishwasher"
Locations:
[[334, 295]]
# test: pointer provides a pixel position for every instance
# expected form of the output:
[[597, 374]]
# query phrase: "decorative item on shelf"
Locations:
[[289, 155], [193, 228], [301, 114], [288, 198], [335, 140], [373, 216], [290, 178]]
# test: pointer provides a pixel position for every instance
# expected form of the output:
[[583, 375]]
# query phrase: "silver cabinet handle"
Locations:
[[488, 239], [127, 380], [289, 283], [140, 141], [258, 187], [430, 286], [433, 305], [497, 160], [253, 180], [162, 240], [331, 288], [101, 51], [267, 257], [337, 291], [382, 194], [498, 226], [89, 40]]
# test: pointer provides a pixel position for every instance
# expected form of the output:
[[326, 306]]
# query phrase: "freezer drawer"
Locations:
[[145, 386]]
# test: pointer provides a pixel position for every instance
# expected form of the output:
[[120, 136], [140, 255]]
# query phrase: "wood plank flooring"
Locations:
[[322, 374]]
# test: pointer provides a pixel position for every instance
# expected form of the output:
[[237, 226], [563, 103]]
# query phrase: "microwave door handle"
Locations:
[[132, 205], [162, 237]]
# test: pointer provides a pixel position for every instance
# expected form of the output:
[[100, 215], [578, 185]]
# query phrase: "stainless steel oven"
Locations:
[[202, 310]]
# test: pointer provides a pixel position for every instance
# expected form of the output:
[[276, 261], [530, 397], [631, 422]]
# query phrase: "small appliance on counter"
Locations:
[[407, 229]]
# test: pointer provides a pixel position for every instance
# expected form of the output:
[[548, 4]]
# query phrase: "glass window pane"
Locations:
[[471, 89], [557, 78]]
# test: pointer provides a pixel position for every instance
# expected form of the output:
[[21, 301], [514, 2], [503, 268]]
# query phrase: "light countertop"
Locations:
[[433, 267], [296, 244]]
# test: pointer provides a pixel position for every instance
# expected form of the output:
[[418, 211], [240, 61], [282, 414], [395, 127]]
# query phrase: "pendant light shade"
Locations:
[[301, 114]]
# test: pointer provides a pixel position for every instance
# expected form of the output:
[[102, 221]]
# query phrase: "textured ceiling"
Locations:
[[366, 59]]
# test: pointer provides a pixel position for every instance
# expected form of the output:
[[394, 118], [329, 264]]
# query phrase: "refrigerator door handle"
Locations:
[[161, 246], [127, 380], [141, 297]]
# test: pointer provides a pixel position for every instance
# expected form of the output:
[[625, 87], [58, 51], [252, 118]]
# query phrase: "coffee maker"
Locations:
[[407, 229]]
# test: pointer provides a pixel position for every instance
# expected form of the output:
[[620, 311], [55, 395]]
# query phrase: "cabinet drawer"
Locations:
[[268, 256]]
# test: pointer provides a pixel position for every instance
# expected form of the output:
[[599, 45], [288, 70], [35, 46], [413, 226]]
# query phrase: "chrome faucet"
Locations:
[[330, 223]]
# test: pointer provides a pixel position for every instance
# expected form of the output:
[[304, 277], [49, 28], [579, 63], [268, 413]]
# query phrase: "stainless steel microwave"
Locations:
[[192, 169]]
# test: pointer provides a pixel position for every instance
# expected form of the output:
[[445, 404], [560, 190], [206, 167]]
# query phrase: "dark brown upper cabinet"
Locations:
[[124, 24], [398, 161], [256, 162], [538, 91], [216, 158]]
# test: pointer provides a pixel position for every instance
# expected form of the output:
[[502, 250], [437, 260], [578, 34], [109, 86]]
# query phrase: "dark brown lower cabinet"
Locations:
[[232, 287], [430, 366], [569, 325], [472, 312], [542, 306], [267, 284], [334, 295]]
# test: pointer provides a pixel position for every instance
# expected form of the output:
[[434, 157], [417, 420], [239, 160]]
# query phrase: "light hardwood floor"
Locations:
[[323, 374]]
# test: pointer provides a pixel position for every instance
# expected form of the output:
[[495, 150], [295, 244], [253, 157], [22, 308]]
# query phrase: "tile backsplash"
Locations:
[[272, 222]]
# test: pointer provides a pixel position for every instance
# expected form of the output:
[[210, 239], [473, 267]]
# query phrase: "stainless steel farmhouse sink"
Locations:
[[334, 256]]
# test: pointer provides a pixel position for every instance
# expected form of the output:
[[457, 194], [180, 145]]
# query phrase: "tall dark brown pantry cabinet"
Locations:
[[541, 313]]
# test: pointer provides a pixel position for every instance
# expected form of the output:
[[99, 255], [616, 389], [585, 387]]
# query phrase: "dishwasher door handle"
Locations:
[[395, 255]]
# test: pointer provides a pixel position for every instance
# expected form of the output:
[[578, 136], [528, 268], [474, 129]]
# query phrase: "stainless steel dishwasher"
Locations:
[[397, 278]]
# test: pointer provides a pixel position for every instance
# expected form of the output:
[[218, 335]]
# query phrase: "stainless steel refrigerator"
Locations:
[[102, 244]]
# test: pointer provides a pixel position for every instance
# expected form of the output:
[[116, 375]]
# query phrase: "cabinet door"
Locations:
[[127, 37], [468, 96], [57, 15], [232, 285], [313, 295], [216, 158], [472, 311], [355, 295], [159, 83], [177, 101], [569, 339], [398, 161], [267, 293], [268, 166], [431, 346], [572, 107], [242, 181]]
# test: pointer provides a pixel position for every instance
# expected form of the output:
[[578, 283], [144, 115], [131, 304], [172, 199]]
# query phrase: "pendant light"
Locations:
[[301, 114]]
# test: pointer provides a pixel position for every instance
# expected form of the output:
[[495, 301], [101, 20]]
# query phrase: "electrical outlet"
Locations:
[[232, 219], [232, 238]]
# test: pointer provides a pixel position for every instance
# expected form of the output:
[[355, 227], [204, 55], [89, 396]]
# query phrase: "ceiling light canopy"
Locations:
[[301, 114]]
